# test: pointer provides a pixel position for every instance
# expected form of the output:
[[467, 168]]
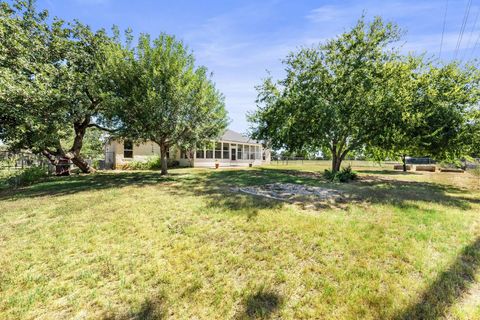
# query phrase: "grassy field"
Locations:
[[135, 245]]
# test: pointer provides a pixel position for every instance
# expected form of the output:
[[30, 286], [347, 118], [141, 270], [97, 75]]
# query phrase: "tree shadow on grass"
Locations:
[[60, 186], [449, 286], [369, 190], [398, 193], [262, 304], [388, 172], [150, 309]]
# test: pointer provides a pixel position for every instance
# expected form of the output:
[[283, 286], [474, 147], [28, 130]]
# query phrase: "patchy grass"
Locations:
[[135, 245]]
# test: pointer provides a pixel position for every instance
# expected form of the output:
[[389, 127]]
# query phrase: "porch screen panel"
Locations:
[[200, 154], [239, 151], [257, 152], [209, 152], [245, 152], [218, 150], [226, 150], [252, 153]]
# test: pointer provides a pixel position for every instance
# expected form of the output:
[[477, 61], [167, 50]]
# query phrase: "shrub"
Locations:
[[346, 174], [96, 164], [173, 163], [451, 164], [27, 177], [152, 163]]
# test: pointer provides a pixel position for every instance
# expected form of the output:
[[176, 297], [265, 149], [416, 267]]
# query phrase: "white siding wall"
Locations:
[[142, 151]]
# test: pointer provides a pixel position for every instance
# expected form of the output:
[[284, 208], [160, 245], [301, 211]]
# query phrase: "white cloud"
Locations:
[[326, 13], [92, 2]]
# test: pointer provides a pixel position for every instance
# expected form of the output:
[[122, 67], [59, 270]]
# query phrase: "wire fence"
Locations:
[[319, 162], [10, 160], [14, 160], [297, 161]]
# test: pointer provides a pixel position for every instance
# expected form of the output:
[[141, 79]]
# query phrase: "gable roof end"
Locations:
[[233, 136]]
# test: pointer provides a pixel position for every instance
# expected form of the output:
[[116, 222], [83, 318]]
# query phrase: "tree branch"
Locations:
[[94, 125]]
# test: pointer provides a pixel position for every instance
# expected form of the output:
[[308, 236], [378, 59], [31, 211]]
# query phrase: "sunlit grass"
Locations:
[[136, 245]]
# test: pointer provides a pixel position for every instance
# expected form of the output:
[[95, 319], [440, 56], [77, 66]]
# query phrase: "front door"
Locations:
[[233, 153]]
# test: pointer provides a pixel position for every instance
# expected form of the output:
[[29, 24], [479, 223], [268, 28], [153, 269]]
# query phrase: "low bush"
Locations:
[[153, 163], [27, 177], [457, 164], [345, 174]]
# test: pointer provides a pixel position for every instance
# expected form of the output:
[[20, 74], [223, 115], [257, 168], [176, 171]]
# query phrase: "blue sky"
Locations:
[[239, 40]]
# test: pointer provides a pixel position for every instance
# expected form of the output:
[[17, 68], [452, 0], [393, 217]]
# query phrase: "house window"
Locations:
[[226, 153], [252, 153], [239, 151], [209, 151], [218, 150], [183, 154], [128, 149], [245, 152], [200, 154]]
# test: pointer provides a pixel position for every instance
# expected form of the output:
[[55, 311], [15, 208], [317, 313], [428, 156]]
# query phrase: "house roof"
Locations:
[[233, 136]]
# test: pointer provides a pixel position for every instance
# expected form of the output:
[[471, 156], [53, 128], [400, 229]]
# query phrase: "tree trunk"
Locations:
[[404, 162], [163, 157], [74, 153], [82, 164], [337, 158]]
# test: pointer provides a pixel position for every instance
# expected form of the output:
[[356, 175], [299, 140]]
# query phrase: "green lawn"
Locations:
[[135, 245]]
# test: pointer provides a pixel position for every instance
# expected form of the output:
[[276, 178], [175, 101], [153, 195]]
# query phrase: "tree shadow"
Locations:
[[369, 190], [262, 304], [449, 286], [150, 309], [60, 186], [388, 172], [396, 192]]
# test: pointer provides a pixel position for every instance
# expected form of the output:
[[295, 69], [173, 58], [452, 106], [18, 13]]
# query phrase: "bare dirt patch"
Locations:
[[307, 196]]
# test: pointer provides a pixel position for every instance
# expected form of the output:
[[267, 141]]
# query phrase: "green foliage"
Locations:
[[451, 164], [346, 174], [434, 106], [153, 163], [27, 177]]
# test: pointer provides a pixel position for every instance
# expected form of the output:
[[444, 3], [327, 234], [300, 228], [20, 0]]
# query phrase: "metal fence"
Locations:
[[10, 160], [362, 163], [318, 162]]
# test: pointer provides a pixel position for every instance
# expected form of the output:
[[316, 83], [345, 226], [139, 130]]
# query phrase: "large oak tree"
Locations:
[[332, 96], [51, 84]]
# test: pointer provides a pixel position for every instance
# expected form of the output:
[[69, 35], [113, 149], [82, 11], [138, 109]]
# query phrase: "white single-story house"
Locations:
[[232, 149]]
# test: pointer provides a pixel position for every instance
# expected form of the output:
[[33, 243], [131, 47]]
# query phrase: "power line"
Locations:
[[476, 46], [471, 34], [462, 29], [443, 30]]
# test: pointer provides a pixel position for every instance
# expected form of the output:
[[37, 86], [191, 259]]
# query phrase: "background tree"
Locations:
[[161, 96], [51, 87], [435, 107], [332, 96]]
